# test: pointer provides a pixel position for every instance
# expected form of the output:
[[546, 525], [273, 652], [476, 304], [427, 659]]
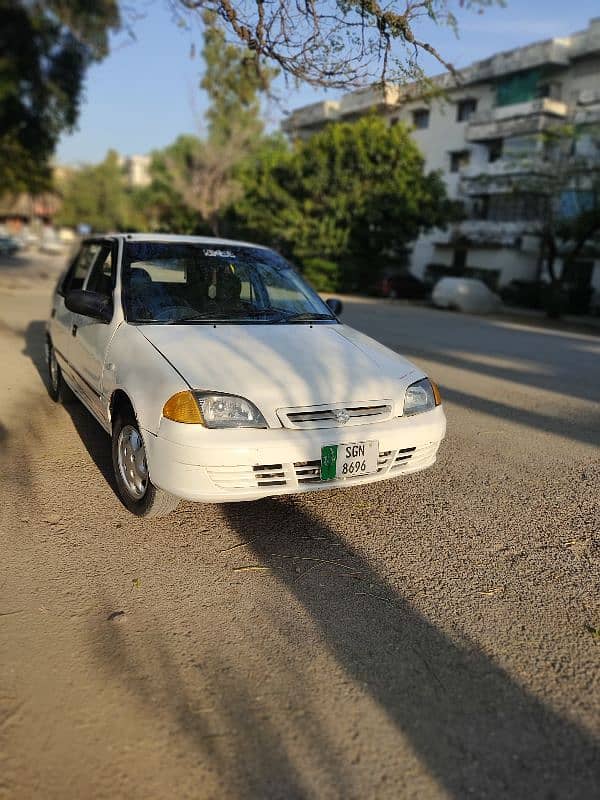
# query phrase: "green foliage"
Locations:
[[322, 274], [98, 196], [194, 181], [233, 85], [45, 50], [161, 202], [354, 194]]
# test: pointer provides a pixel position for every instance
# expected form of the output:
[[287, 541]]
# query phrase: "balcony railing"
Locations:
[[532, 116]]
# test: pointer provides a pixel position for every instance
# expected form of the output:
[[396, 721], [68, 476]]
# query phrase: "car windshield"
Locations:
[[185, 283]]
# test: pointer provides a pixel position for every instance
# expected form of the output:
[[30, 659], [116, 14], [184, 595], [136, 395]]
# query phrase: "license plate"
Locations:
[[348, 460]]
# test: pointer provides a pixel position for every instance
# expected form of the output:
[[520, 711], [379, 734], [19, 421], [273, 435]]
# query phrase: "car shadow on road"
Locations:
[[94, 438], [478, 731]]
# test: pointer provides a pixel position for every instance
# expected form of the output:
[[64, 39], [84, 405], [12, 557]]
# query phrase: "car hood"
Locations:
[[283, 366]]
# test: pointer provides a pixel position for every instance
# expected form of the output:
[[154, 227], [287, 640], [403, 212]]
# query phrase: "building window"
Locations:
[[465, 109], [421, 118], [520, 87], [459, 159], [494, 150], [515, 207]]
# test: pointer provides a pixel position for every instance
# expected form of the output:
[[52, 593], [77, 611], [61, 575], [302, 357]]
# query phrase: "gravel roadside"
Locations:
[[432, 636]]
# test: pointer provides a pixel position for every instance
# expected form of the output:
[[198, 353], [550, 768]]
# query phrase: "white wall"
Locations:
[[444, 133], [512, 264]]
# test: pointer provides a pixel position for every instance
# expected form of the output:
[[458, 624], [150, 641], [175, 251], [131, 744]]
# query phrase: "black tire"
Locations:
[[57, 388], [147, 500]]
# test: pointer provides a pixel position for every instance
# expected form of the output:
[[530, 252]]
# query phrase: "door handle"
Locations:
[[74, 330]]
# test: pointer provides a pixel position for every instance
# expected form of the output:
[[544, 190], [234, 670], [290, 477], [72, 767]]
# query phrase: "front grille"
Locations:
[[246, 477], [310, 471], [269, 475], [325, 416], [407, 459]]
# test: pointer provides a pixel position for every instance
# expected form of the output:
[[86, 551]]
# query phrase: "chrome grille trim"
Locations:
[[325, 416]]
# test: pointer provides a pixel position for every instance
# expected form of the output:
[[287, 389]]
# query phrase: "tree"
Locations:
[[98, 196], [561, 182], [336, 44], [203, 173], [46, 48], [569, 183], [346, 202], [233, 85], [164, 207], [203, 177]]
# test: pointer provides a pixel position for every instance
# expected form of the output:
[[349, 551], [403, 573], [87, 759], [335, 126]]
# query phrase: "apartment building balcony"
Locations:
[[311, 117], [488, 178], [373, 98], [355, 104], [487, 233], [553, 52], [588, 114], [533, 116]]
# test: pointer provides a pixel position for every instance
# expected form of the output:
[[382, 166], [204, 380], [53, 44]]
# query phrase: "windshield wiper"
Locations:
[[260, 312], [232, 316], [307, 316]]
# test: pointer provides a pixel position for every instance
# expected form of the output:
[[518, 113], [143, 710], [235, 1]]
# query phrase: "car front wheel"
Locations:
[[130, 466]]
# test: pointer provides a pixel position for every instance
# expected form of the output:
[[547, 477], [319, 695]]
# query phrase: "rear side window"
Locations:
[[79, 268], [102, 276]]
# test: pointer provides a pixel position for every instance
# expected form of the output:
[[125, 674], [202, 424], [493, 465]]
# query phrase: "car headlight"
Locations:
[[213, 410], [421, 396]]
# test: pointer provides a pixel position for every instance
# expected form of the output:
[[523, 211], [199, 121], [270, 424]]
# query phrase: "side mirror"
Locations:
[[335, 305], [89, 304]]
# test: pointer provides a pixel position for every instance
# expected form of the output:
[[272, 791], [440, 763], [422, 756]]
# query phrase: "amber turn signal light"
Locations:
[[436, 393], [182, 407]]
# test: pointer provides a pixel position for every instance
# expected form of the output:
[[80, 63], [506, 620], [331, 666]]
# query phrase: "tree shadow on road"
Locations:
[[478, 731], [215, 705]]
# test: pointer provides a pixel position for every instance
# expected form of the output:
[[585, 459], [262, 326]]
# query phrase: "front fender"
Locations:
[[134, 365]]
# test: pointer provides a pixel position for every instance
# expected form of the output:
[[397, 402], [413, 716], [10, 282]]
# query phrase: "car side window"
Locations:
[[76, 275], [101, 279]]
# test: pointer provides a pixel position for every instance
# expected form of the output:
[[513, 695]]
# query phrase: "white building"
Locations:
[[136, 169], [484, 127]]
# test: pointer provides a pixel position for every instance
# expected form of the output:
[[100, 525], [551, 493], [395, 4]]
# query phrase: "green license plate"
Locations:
[[348, 460]]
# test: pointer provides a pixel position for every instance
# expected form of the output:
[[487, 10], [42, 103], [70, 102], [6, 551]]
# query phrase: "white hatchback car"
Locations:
[[222, 376]]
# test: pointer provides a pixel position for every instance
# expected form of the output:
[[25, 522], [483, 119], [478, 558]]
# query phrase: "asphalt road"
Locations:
[[433, 636]]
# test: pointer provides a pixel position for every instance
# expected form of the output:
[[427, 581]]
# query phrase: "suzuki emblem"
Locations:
[[341, 415]]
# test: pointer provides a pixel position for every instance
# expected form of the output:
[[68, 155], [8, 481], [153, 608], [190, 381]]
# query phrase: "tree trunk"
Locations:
[[213, 222], [554, 297]]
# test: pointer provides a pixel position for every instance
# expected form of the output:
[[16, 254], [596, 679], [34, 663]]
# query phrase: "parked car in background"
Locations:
[[523, 294], [221, 375], [465, 294], [404, 285], [8, 246], [26, 239], [51, 244]]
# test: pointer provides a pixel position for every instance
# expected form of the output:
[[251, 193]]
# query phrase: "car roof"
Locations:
[[175, 239]]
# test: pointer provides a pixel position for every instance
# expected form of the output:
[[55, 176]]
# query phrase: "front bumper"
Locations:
[[245, 464]]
